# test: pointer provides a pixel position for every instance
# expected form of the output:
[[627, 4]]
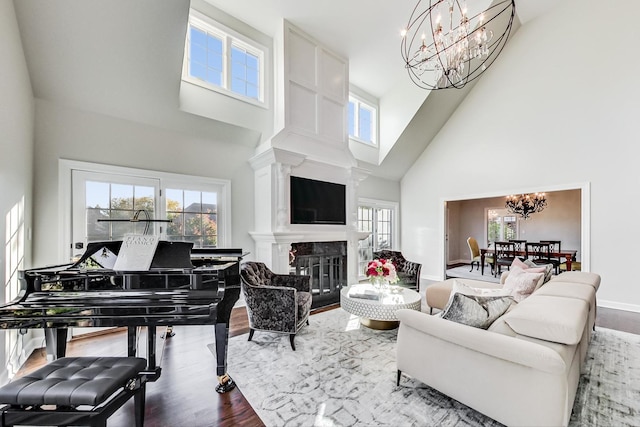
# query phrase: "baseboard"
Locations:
[[619, 306], [29, 345], [431, 278]]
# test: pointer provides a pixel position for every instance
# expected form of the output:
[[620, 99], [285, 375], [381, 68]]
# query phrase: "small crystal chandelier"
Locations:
[[526, 204], [443, 55]]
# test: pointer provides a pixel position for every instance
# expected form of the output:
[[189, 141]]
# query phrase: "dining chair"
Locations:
[[474, 253], [554, 247], [505, 253], [540, 253], [519, 244]]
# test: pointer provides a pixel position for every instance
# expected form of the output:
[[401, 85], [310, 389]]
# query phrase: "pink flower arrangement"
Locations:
[[382, 269]]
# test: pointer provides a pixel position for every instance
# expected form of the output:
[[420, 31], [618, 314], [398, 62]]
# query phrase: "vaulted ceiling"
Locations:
[[123, 58]]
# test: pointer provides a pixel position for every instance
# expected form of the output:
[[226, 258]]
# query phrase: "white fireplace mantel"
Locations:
[[310, 141]]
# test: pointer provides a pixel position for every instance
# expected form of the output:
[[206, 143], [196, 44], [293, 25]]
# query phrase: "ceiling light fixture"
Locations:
[[526, 204], [442, 55]]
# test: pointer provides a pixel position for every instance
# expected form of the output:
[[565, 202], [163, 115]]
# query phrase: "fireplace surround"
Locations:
[[326, 264], [310, 141]]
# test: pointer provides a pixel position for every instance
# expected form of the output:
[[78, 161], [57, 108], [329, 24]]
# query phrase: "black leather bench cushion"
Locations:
[[72, 381]]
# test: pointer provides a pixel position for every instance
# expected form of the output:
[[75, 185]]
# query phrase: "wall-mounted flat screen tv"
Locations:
[[317, 202]]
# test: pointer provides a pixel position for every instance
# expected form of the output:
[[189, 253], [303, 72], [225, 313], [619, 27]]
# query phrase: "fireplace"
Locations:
[[326, 263], [310, 143]]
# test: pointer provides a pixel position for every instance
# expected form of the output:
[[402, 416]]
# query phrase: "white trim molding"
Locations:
[[585, 209]]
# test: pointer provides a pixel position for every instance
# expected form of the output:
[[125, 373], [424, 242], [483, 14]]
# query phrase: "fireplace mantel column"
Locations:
[[283, 172]]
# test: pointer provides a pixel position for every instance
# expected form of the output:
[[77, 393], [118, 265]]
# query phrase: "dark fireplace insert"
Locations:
[[326, 263]]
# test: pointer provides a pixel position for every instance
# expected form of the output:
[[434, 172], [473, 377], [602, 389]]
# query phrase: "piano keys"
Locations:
[[184, 286]]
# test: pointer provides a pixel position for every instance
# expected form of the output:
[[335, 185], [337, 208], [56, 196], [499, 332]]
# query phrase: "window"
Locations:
[[362, 121], [115, 201], [379, 219], [219, 59], [14, 261], [501, 225], [13, 249], [193, 215], [105, 199]]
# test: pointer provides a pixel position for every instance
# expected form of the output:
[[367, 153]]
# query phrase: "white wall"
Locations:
[[66, 133], [559, 106], [16, 137]]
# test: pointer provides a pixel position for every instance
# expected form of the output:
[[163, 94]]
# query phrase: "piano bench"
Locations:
[[75, 391]]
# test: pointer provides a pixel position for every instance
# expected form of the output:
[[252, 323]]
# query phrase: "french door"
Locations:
[[379, 219], [501, 225]]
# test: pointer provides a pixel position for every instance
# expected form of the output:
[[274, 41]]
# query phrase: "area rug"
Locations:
[[463, 272], [344, 374]]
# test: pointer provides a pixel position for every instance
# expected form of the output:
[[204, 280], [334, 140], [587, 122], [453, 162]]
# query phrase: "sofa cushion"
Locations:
[[550, 318], [520, 283], [570, 290], [501, 327], [592, 279], [438, 294], [476, 311]]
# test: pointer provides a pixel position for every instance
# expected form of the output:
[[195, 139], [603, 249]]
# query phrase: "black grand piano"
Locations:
[[183, 286]]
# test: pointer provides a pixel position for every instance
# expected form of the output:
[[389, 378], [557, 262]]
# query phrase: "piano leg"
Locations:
[[225, 382], [56, 342], [153, 371], [151, 347], [231, 295], [132, 341]]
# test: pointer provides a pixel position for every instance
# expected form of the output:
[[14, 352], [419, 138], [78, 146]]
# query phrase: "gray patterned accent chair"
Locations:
[[275, 302], [408, 271]]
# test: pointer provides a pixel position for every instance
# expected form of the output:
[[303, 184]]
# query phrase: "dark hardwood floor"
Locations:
[[184, 395]]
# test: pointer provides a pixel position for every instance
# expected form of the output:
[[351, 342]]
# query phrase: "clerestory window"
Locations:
[[219, 59], [363, 120]]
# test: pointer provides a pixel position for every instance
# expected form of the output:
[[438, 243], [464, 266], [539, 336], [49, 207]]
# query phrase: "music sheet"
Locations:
[[136, 252]]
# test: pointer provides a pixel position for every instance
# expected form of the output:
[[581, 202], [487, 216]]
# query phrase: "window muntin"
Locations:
[[245, 72], [110, 200], [362, 121], [193, 215], [206, 56], [203, 202], [218, 59], [378, 219], [501, 225]]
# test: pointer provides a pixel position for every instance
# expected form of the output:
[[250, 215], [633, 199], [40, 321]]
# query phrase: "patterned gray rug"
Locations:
[[463, 272], [343, 374]]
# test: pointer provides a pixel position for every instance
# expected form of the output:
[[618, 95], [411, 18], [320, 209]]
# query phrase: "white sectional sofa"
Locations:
[[521, 371]]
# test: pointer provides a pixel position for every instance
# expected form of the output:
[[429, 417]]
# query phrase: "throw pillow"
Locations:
[[532, 267], [522, 283], [476, 311], [463, 288]]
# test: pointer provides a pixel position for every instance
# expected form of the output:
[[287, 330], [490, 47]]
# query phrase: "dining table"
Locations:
[[567, 254]]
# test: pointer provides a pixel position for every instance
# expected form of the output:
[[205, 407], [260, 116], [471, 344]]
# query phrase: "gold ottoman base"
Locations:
[[381, 325]]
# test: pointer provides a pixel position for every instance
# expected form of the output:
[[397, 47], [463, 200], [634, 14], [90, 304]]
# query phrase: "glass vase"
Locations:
[[380, 284]]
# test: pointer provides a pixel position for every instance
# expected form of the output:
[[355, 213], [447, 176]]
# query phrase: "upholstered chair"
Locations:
[[408, 271], [474, 252], [275, 302]]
